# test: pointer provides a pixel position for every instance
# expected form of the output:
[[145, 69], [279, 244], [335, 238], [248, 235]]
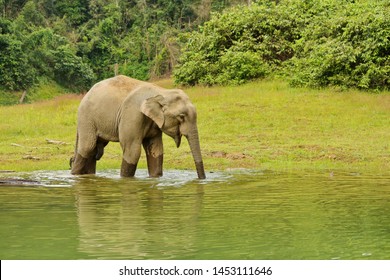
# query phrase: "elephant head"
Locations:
[[176, 116]]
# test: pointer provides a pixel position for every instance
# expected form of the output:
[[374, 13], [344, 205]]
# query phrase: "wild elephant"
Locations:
[[134, 113]]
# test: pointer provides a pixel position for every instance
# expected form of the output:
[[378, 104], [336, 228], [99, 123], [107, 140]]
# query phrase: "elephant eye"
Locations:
[[181, 117]]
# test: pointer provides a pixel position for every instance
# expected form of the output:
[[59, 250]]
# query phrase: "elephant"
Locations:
[[133, 113]]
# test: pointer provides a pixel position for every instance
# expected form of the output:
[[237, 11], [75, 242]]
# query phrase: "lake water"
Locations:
[[240, 214]]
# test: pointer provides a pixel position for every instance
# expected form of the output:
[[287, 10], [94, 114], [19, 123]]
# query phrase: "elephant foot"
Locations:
[[128, 169], [81, 165], [155, 166], [154, 155]]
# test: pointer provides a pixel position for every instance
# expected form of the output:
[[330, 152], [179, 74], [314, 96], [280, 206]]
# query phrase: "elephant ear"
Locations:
[[153, 108]]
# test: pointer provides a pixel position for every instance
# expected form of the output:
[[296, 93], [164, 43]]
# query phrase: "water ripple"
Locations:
[[236, 214]]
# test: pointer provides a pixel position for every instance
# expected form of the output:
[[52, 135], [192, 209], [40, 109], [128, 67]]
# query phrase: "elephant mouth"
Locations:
[[177, 139]]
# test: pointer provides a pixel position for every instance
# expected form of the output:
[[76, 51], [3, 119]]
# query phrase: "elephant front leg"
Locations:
[[128, 169], [131, 155], [154, 155]]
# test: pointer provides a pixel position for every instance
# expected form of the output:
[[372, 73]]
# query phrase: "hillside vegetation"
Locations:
[[66, 46], [78, 42]]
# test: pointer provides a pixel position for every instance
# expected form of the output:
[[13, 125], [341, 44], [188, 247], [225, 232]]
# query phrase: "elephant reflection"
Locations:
[[137, 222]]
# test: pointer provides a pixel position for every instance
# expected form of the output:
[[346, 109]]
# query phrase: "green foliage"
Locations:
[[241, 44], [348, 47], [70, 70], [32, 50], [15, 71], [32, 15], [41, 46], [5, 26], [240, 66], [75, 43], [78, 42], [52, 56], [315, 43], [75, 11]]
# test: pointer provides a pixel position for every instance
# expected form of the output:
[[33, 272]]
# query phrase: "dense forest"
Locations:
[[77, 42], [343, 43]]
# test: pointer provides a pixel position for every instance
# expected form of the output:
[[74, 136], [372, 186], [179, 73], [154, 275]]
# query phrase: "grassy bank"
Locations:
[[44, 89], [260, 125]]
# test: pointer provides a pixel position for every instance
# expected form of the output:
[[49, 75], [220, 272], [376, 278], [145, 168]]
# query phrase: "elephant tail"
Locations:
[[71, 160]]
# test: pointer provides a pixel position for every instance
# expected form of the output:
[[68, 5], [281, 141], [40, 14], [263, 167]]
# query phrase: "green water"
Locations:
[[231, 215]]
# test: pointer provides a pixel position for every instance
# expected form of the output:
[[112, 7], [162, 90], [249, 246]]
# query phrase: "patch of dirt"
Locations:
[[222, 154], [316, 152]]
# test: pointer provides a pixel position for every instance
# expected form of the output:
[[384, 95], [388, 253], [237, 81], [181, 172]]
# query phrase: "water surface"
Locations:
[[240, 214]]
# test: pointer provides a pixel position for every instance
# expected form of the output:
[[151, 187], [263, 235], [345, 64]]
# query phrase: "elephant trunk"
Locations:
[[193, 141]]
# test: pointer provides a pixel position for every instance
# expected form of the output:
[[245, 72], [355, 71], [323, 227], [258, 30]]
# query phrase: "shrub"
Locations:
[[242, 44], [240, 66], [347, 48], [15, 71], [315, 43], [71, 71], [52, 56]]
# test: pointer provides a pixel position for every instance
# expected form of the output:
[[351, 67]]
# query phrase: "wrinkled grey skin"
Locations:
[[134, 113]]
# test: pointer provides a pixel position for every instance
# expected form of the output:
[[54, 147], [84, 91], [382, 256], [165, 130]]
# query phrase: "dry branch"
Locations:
[[21, 100], [17, 145], [56, 142], [31, 157]]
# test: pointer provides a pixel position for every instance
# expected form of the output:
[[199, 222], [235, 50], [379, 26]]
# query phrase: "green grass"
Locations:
[[260, 125]]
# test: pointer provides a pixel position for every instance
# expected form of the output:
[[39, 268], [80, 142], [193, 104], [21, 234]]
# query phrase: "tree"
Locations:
[[75, 11], [10, 8], [15, 71]]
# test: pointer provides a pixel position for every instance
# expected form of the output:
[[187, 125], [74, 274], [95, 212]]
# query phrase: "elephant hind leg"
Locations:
[[83, 165], [84, 161]]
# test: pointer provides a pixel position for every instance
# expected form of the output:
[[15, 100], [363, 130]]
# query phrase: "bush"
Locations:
[[347, 48], [242, 44], [30, 51], [315, 43], [240, 66], [15, 71], [70, 71], [41, 45], [52, 56]]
